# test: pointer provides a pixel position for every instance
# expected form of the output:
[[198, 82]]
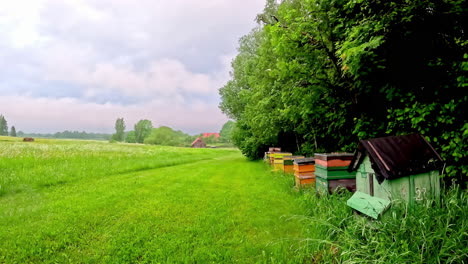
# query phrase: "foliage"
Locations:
[[119, 130], [168, 137], [67, 134], [13, 131], [319, 75], [226, 131], [211, 139], [3, 126], [130, 137], [142, 130]]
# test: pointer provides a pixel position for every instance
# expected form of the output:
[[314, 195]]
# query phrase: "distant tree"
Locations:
[[226, 131], [167, 136], [3, 126], [13, 131], [142, 130], [211, 139], [130, 138], [119, 130]]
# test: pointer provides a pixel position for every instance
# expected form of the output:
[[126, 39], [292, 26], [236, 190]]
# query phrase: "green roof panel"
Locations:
[[368, 205]]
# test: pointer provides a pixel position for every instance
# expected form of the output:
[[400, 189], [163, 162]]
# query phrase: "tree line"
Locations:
[[144, 132], [319, 75]]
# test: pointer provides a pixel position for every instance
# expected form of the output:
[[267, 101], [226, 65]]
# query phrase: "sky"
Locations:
[[81, 64]]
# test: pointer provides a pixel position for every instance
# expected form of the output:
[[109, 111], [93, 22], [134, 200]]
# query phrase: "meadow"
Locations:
[[66, 201], [94, 202]]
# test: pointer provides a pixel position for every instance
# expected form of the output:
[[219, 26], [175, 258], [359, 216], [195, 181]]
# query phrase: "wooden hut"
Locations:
[[304, 172], [394, 168], [198, 143], [331, 172]]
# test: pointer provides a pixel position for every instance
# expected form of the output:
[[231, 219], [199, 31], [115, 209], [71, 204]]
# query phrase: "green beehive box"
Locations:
[[333, 174]]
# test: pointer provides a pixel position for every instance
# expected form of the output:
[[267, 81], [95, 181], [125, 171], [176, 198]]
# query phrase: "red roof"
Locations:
[[211, 134]]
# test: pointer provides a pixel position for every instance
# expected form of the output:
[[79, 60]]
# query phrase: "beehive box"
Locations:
[[278, 164], [305, 181], [326, 186], [304, 165], [288, 162], [333, 159], [333, 172]]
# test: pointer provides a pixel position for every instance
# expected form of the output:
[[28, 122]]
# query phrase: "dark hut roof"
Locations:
[[397, 156], [305, 161]]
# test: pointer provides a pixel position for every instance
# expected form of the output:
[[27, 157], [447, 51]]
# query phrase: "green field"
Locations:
[[92, 202], [64, 201]]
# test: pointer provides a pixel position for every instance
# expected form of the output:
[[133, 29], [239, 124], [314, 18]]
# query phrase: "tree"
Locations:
[[167, 136], [319, 75], [142, 130], [226, 131], [3, 126], [130, 138], [119, 130], [13, 131]]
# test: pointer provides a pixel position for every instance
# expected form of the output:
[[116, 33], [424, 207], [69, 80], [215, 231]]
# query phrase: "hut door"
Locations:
[[370, 176]]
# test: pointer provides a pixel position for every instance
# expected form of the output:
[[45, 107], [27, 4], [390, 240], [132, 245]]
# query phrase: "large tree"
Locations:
[[318, 75], [226, 131], [142, 130], [119, 130]]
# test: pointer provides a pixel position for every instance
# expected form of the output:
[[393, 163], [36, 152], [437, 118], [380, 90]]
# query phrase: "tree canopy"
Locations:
[[167, 136], [3, 126], [119, 130], [318, 75], [226, 131], [142, 130]]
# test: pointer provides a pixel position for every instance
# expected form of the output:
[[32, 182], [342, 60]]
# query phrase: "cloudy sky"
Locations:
[[80, 64]]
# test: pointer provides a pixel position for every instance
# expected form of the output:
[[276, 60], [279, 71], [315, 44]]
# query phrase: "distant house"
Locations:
[[216, 135], [198, 143]]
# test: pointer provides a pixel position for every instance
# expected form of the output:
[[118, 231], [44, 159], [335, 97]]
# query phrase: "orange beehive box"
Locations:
[[304, 174], [333, 159], [304, 168], [304, 165], [288, 168], [288, 162], [305, 182]]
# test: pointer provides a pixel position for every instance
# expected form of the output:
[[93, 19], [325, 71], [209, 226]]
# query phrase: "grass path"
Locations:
[[219, 210]]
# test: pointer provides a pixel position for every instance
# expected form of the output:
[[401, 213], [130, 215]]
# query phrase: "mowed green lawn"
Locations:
[[94, 202]]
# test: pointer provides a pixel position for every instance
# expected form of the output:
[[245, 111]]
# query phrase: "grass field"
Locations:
[[64, 201], [92, 202]]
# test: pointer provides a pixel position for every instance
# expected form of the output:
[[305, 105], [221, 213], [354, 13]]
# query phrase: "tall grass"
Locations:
[[434, 232]]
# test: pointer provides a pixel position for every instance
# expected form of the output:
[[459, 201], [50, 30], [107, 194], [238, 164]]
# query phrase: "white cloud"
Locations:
[[46, 114], [169, 56]]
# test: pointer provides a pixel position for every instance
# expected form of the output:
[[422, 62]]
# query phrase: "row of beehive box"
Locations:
[[326, 172], [383, 170]]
